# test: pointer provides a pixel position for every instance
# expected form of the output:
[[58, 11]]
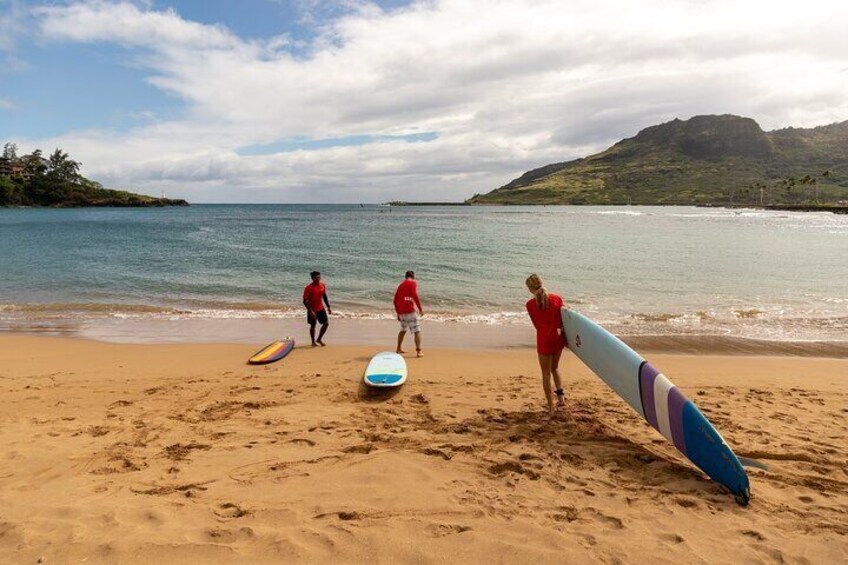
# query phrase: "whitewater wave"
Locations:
[[750, 322], [617, 213]]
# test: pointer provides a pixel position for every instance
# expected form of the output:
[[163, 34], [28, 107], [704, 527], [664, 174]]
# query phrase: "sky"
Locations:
[[368, 101]]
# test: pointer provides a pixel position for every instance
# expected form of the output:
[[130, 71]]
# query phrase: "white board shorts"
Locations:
[[409, 322]]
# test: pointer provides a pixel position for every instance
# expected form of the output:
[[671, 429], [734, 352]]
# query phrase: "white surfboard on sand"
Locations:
[[387, 369]]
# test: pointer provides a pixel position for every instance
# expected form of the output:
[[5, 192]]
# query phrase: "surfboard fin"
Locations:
[[742, 499], [748, 462]]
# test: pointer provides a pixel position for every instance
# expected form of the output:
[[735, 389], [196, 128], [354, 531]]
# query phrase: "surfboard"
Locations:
[[272, 352], [657, 400], [386, 369]]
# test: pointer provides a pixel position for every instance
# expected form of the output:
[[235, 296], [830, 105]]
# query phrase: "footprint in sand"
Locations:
[[188, 490], [599, 516], [565, 514], [346, 516], [118, 460], [754, 534], [442, 530], [221, 535], [230, 510], [120, 403], [179, 451], [503, 469], [364, 448], [437, 453], [460, 448], [685, 502], [226, 409], [305, 441]]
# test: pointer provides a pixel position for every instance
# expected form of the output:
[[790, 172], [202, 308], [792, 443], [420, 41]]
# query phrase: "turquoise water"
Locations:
[[665, 270]]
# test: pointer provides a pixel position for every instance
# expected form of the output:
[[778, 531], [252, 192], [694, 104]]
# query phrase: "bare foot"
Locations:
[[560, 395], [321, 343], [314, 344], [400, 351], [419, 353]]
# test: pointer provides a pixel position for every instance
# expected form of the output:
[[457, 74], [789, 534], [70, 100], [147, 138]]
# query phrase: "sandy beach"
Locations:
[[118, 453]]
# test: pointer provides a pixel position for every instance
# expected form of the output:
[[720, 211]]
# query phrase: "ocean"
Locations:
[[668, 271]]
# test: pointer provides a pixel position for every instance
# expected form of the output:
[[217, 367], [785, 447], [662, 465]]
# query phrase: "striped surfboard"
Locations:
[[657, 400], [272, 352]]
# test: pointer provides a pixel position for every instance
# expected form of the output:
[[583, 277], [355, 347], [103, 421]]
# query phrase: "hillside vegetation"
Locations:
[[704, 160], [32, 180]]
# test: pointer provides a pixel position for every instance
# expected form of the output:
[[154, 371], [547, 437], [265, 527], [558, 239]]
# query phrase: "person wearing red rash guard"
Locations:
[[544, 310], [406, 300], [314, 298]]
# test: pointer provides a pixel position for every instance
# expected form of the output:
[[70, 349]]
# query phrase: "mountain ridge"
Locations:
[[707, 159]]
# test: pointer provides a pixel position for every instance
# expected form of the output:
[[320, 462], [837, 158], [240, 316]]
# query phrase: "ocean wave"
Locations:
[[617, 213], [230, 312], [763, 322]]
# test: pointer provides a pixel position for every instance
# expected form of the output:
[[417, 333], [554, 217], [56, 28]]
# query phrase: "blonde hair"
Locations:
[[537, 287]]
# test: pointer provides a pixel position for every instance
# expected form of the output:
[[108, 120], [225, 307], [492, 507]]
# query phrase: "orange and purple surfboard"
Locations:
[[272, 352]]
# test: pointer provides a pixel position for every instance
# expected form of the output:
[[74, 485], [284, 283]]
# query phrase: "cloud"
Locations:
[[7, 104], [12, 14], [504, 85], [130, 25]]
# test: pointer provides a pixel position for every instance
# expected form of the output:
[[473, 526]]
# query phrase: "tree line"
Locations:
[[33, 180], [789, 190]]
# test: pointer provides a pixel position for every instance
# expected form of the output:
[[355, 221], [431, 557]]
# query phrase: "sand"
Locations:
[[116, 453]]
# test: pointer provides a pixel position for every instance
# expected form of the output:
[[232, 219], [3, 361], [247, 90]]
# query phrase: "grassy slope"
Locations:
[[41, 192], [712, 161]]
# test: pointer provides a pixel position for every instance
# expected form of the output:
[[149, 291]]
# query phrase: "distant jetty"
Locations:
[[405, 203], [835, 209]]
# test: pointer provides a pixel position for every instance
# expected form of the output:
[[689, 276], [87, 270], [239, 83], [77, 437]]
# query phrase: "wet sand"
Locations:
[[368, 332], [181, 453]]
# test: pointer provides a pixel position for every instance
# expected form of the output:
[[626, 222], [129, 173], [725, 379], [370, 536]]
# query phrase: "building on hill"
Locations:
[[13, 168], [5, 167], [17, 168]]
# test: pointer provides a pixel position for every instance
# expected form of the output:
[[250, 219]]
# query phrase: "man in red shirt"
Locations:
[[314, 298], [406, 300]]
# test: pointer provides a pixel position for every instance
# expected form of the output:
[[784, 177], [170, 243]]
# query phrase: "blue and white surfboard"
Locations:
[[657, 400], [386, 369]]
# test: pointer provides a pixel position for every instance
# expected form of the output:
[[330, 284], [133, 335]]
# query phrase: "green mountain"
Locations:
[[704, 160]]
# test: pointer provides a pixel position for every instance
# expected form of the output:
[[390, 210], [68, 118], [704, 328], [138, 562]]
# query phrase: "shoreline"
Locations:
[[119, 453], [462, 336]]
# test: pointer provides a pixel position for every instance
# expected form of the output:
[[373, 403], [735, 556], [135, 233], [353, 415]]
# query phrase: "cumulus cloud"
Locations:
[[507, 85]]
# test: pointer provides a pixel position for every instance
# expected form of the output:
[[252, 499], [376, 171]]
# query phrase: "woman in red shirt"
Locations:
[[544, 310]]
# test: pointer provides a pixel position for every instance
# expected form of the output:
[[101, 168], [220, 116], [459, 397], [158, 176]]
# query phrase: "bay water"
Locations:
[[638, 270]]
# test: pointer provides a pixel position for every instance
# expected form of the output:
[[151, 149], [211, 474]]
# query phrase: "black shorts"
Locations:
[[319, 317]]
